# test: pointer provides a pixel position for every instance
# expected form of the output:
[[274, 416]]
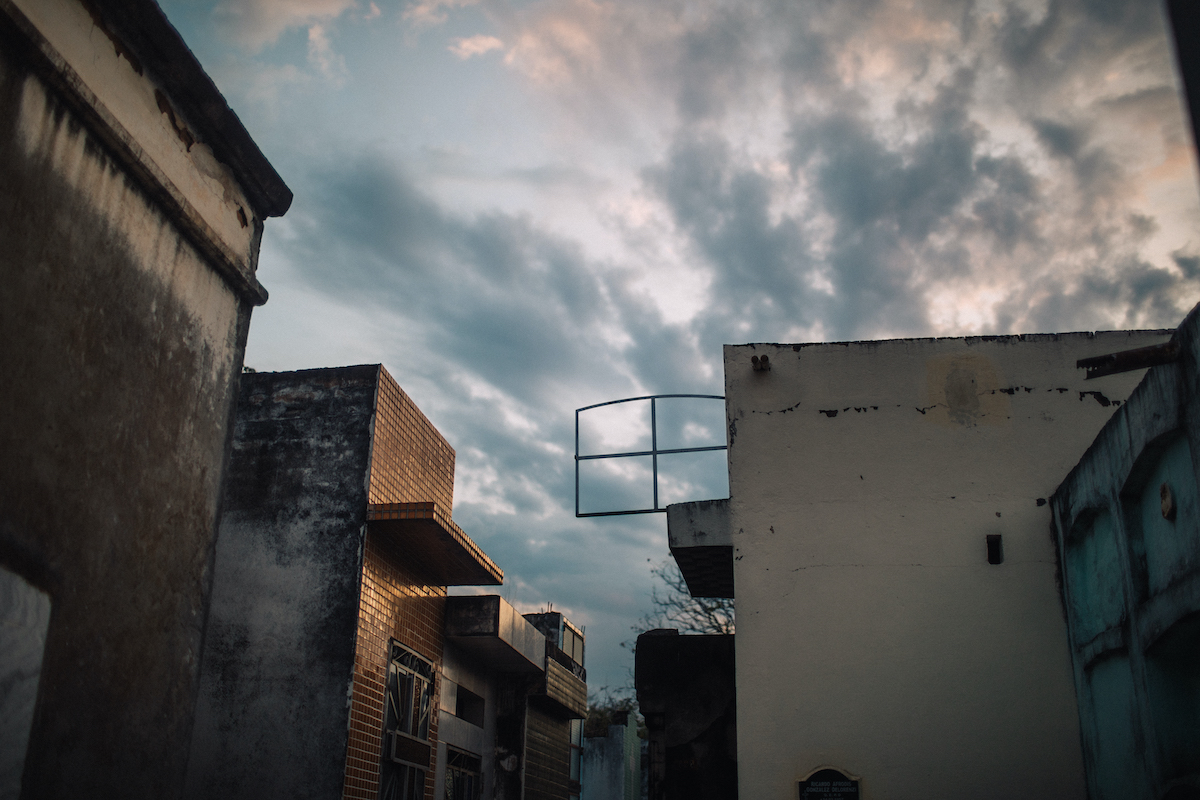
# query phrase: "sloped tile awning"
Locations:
[[444, 552]]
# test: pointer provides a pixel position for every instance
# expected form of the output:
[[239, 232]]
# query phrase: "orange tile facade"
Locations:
[[410, 463], [394, 603]]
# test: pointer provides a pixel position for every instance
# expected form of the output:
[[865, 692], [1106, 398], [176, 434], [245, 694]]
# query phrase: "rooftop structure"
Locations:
[[886, 542]]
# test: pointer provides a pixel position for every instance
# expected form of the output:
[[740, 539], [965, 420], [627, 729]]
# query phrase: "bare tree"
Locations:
[[606, 707], [674, 606]]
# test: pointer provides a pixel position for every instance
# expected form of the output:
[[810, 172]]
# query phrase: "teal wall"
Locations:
[[1127, 527]]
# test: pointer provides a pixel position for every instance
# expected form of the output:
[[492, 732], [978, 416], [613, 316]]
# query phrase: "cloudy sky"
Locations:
[[521, 208]]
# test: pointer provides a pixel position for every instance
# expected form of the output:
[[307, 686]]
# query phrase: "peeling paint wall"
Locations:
[[273, 709], [874, 635], [139, 114], [1127, 522], [124, 308]]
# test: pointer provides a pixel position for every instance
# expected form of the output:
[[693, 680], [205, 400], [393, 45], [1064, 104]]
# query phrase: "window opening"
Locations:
[[407, 714], [464, 779], [576, 751], [468, 706]]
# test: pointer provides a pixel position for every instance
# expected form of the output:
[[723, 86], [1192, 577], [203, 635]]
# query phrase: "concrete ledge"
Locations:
[[701, 541], [488, 628]]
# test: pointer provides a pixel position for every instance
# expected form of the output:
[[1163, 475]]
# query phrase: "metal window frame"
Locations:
[[653, 452]]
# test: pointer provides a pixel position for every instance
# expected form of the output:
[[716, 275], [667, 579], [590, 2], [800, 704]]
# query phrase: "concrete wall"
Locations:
[[873, 635], [1127, 520], [686, 692], [611, 768], [24, 618], [460, 670], [278, 667], [128, 279]]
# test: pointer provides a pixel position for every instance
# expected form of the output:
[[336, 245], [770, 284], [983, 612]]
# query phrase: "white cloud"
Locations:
[[428, 13], [476, 45], [322, 56], [255, 24]]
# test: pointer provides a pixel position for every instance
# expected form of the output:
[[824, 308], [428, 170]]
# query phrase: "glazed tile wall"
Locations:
[[547, 756], [394, 604], [410, 462]]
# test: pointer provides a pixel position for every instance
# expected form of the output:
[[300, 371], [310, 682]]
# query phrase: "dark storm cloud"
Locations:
[[499, 298], [837, 170], [716, 63], [725, 211], [497, 302]]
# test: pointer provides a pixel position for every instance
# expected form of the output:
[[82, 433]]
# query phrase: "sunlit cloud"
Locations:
[[429, 13], [475, 46]]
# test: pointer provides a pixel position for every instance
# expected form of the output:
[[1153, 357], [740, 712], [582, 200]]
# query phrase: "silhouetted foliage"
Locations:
[[674, 606], [607, 708]]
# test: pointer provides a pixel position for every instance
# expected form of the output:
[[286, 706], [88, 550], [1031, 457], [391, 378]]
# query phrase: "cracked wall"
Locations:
[[873, 633]]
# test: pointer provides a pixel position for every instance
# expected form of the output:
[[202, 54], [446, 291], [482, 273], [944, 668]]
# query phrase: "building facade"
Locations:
[[1127, 526], [529, 691], [886, 541], [335, 665], [612, 760], [687, 693], [131, 213]]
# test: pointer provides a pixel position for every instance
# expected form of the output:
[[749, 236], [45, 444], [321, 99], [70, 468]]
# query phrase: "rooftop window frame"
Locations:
[[653, 452]]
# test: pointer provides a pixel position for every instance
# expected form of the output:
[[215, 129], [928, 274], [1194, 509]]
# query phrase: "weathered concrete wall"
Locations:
[[873, 634], [611, 765], [459, 669], [686, 692], [124, 307], [1127, 520], [271, 719], [603, 765], [24, 618]]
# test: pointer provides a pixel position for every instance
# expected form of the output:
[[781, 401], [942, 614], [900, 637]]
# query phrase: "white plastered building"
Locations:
[[874, 635]]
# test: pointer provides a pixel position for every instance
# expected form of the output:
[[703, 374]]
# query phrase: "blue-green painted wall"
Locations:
[[1127, 526]]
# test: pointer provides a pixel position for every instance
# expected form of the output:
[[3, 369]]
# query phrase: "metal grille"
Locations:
[[653, 452]]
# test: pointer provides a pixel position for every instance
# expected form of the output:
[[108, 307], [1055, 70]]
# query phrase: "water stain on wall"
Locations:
[[963, 389]]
